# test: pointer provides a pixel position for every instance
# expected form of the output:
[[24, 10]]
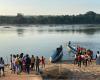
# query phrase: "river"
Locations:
[[44, 39]]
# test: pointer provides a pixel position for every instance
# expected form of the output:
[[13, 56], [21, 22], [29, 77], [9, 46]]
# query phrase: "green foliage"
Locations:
[[88, 18]]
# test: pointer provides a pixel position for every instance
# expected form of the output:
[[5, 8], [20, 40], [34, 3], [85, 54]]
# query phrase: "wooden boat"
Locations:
[[57, 55]]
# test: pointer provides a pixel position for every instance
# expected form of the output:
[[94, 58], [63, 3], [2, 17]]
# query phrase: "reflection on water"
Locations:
[[20, 32], [44, 39], [86, 29]]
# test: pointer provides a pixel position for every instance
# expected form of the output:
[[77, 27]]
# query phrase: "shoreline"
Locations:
[[72, 72]]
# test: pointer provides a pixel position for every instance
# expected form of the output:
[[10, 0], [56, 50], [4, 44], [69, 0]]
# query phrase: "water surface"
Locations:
[[44, 39]]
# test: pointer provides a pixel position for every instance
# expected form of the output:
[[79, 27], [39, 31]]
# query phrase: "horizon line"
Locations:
[[46, 14]]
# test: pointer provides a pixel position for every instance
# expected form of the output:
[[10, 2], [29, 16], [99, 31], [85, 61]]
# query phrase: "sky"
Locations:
[[48, 7]]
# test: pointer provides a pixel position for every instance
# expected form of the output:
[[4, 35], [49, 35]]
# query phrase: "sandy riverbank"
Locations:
[[23, 76], [72, 72], [57, 71]]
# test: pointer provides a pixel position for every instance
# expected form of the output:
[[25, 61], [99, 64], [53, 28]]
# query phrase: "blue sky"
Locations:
[[48, 7]]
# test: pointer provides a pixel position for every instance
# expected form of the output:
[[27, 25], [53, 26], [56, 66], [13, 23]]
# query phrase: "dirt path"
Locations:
[[23, 76]]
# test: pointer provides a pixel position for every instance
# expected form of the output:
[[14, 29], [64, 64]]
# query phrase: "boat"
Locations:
[[6, 27], [57, 55], [73, 49]]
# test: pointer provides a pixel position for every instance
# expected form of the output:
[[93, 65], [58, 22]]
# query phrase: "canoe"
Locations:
[[57, 55]]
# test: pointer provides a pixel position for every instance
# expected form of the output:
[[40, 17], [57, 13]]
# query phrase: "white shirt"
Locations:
[[98, 55]]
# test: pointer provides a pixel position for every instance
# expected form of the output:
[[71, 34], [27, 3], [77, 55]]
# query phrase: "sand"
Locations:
[[9, 75], [67, 71], [58, 71]]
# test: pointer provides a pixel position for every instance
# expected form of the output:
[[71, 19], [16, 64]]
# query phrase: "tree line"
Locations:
[[87, 18]]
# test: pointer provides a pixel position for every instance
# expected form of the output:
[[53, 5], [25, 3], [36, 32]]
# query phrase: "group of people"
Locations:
[[83, 56], [25, 63]]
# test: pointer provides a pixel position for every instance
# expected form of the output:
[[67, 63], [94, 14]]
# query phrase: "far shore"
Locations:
[[19, 25]]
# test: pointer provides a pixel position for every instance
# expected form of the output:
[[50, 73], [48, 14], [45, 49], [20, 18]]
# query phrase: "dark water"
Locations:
[[44, 39]]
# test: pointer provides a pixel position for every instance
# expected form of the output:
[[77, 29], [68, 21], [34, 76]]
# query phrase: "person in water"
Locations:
[[2, 66]]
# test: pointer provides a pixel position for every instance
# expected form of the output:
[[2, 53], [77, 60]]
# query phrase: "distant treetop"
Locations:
[[90, 13], [89, 17]]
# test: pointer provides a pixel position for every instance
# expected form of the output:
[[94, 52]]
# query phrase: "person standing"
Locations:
[[11, 61], [75, 59], [43, 62], [98, 58], [86, 59], [2, 66], [37, 63], [27, 63], [17, 63], [32, 62], [20, 59], [23, 63], [79, 60]]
